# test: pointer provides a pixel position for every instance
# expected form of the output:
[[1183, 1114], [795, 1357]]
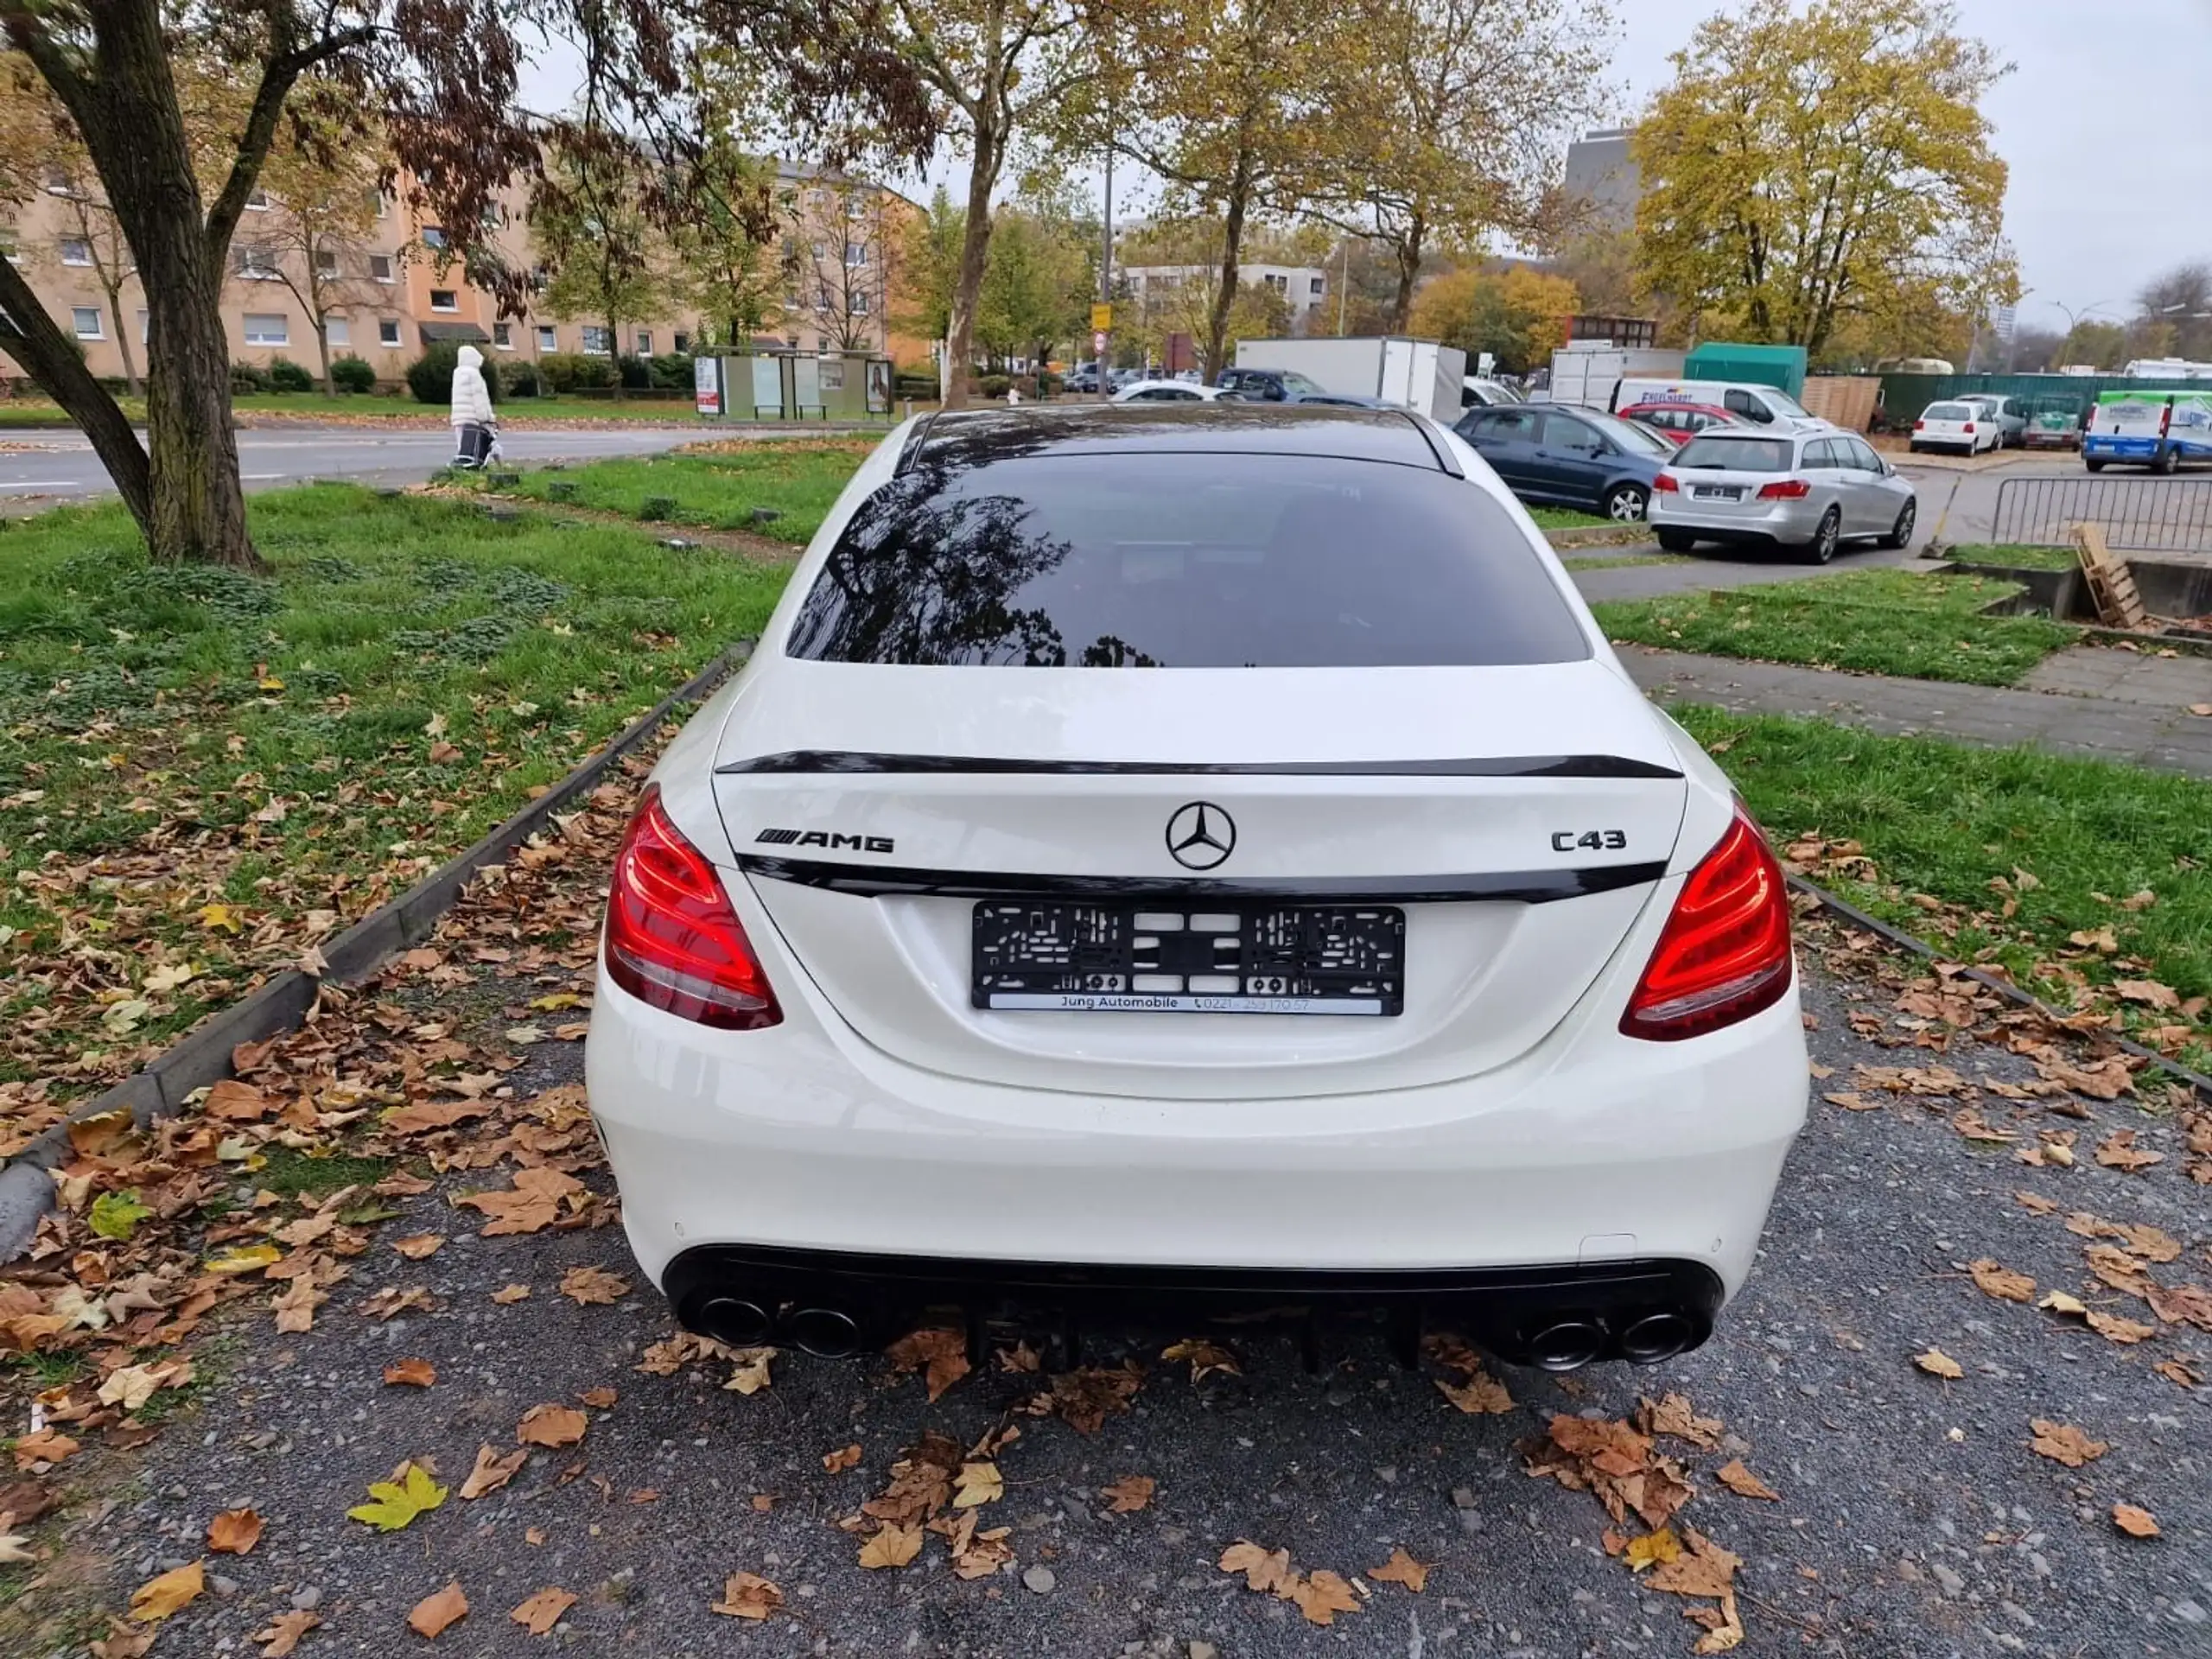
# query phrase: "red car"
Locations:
[[1679, 422]]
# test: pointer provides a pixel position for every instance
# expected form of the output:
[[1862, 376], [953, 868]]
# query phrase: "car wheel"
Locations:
[[1624, 504], [2095, 466], [1901, 532], [1677, 541], [1913, 448], [2168, 463], [1826, 538]]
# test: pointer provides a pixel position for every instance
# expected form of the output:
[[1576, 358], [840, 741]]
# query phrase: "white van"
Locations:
[[1761, 405]]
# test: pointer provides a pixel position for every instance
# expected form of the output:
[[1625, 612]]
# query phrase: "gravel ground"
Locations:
[[1912, 1519]]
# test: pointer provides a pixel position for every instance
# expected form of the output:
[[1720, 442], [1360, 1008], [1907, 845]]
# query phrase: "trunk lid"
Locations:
[[872, 808]]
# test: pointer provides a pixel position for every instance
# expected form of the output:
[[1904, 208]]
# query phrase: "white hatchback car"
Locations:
[[1170, 391], [1965, 427], [1202, 853]]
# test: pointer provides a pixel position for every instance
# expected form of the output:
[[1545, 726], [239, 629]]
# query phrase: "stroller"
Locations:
[[478, 443]]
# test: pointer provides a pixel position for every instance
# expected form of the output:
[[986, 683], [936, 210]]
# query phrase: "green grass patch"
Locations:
[[31, 414], [294, 1174], [797, 479], [204, 771], [1615, 561], [1569, 518], [1870, 622], [2015, 556], [1949, 821]]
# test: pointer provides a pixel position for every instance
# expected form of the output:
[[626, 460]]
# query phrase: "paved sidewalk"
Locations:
[[2123, 726]]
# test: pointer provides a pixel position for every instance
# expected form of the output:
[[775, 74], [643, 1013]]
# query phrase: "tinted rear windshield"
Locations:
[[1184, 561], [1948, 412], [1735, 455]]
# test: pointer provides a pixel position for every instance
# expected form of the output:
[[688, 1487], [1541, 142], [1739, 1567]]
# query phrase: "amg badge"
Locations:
[[824, 838]]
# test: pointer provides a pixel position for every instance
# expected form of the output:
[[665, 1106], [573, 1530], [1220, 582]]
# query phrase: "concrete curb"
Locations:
[[1601, 536], [203, 1055], [2004, 987]]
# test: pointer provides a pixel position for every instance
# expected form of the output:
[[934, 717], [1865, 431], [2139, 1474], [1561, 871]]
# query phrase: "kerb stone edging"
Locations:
[[203, 1055]]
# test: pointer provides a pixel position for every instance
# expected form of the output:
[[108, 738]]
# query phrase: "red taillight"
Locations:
[[1725, 952], [1788, 489], [673, 941], [1666, 484], [1968, 429], [1920, 426]]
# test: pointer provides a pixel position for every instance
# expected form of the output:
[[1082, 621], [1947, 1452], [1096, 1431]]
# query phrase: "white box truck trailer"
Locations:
[[1586, 371], [1416, 374]]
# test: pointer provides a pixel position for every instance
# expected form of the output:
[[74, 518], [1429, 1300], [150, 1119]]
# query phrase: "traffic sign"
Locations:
[[1098, 341], [1101, 318]]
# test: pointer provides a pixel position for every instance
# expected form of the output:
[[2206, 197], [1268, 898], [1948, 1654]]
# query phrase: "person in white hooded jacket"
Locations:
[[472, 409]]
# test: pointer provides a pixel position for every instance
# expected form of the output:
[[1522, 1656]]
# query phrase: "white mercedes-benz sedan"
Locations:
[[1199, 853]]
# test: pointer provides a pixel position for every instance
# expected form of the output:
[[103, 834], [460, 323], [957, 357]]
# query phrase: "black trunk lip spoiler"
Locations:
[[1522, 886], [857, 762]]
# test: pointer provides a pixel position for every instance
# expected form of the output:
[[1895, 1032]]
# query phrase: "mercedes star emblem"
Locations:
[[1200, 835]]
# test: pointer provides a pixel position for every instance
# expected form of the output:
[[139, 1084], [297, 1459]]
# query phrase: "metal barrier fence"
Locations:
[[2143, 515]]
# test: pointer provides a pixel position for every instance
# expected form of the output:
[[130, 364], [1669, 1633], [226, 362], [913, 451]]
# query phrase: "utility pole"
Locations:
[[1343, 283], [1104, 336]]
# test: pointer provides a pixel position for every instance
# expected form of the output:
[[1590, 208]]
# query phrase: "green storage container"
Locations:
[[1780, 366]]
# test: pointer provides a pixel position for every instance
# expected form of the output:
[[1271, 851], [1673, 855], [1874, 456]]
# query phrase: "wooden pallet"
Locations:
[[2111, 585]]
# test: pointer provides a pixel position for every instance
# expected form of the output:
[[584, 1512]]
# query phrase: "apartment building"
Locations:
[[389, 290], [1303, 287]]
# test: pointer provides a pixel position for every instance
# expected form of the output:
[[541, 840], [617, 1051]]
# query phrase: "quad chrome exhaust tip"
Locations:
[[1567, 1345], [825, 1333]]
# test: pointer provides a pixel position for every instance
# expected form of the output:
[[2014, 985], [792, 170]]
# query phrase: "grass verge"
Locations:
[[1569, 518], [719, 486], [29, 414], [1869, 621], [1948, 838], [205, 773], [2014, 556]]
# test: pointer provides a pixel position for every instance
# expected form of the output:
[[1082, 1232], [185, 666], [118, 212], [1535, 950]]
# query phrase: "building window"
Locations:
[[433, 236], [682, 342], [57, 182], [443, 299], [503, 336], [855, 206], [267, 328], [87, 319], [1317, 286], [337, 330], [856, 303], [325, 263], [595, 341], [145, 326], [75, 251], [547, 340], [856, 253], [387, 331], [256, 266], [380, 267], [257, 202], [9, 249], [645, 342]]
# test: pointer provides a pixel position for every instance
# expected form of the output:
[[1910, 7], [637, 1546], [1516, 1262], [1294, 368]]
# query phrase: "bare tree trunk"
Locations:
[[1408, 251], [322, 346], [614, 352], [54, 363], [199, 505], [1232, 248], [974, 250]]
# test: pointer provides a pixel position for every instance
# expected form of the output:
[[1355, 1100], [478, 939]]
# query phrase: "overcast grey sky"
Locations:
[[2101, 122]]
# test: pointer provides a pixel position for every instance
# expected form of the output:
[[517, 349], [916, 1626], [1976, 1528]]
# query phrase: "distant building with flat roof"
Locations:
[[1601, 172]]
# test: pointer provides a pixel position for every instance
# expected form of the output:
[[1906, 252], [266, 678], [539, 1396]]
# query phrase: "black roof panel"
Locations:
[[978, 436]]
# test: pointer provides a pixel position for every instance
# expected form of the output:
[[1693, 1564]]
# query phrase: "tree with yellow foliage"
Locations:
[[1807, 167], [1518, 316]]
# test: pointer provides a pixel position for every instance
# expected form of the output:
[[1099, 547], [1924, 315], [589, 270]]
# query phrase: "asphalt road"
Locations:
[[59, 465]]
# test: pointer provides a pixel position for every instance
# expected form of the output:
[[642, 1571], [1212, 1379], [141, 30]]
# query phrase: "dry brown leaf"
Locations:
[[2119, 1151], [1263, 1569], [282, 1634], [552, 1426], [2113, 1328], [414, 1373], [750, 1372], [237, 1103], [234, 1532], [1402, 1568], [1651, 1550], [2059, 1302], [507, 1295], [1205, 1357], [599, 1399], [434, 1614], [977, 1482], [1480, 1395], [2181, 1304], [2135, 1523], [1852, 1101], [747, 1595], [845, 1457], [534, 1204], [2035, 1202], [436, 1114], [158, 1598], [1936, 1363], [2063, 1443], [1741, 1481], [1703, 1569], [493, 1472], [1673, 1415], [587, 1285], [2181, 1372], [1321, 1595], [941, 1356], [892, 1546], [48, 1445], [415, 1246], [2007, 1286], [541, 1612], [2149, 992], [1083, 1398], [1129, 1493], [120, 1642]]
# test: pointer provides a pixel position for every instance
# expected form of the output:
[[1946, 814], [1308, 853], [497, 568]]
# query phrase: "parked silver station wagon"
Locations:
[[1808, 492]]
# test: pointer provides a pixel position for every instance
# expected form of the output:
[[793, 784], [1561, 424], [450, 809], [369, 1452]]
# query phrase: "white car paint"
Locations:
[[1963, 427], [1167, 391], [1504, 1119]]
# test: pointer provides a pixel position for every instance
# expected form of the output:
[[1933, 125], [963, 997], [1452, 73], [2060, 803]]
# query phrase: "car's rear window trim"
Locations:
[[843, 762]]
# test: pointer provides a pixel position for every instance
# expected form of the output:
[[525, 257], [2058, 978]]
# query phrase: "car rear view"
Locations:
[[1194, 853], [1963, 429]]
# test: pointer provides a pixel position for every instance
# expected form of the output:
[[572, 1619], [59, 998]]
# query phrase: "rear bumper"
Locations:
[[1775, 524]]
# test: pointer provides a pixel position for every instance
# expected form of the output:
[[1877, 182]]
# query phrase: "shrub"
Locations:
[[429, 377], [351, 373], [655, 508], [574, 372], [247, 377], [671, 370], [636, 375], [993, 386], [519, 379], [284, 375]]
